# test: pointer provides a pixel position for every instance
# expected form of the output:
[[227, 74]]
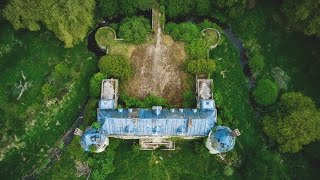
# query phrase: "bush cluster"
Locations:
[[135, 30], [266, 92], [200, 66], [184, 31], [116, 66]]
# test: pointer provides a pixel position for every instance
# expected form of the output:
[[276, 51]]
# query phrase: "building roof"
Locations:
[[92, 137], [146, 122], [221, 139]]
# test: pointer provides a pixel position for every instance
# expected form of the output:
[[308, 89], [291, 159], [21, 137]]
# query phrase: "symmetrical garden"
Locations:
[[265, 84]]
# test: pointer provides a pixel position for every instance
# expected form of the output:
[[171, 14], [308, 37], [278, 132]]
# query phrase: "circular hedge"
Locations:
[[266, 92], [104, 36]]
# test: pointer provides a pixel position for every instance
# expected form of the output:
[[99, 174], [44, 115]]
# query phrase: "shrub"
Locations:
[[48, 91], [135, 30], [148, 102], [61, 73], [201, 66], [116, 66], [189, 99], [256, 64], [95, 84], [228, 171], [266, 92], [198, 49], [184, 31]]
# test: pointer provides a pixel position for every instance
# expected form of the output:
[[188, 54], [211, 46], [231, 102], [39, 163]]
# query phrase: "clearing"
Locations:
[[158, 67]]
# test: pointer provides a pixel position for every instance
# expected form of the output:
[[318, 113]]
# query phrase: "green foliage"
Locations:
[[102, 163], [145, 5], [69, 20], [251, 24], [200, 66], [208, 24], [49, 91], [96, 125], [263, 164], [177, 8], [291, 102], [93, 148], [266, 92], [95, 84], [187, 32], [182, 8], [294, 123], [256, 63], [232, 8], [189, 99], [7, 43], [228, 171], [135, 30], [112, 8], [147, 102], [90, 112], [35, 122], [61, 73], [257, 162], [116, 66], [303, 15], [198, 49], [104, 35]]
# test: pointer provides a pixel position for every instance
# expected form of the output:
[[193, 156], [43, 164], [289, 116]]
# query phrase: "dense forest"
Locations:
[[265, 70]]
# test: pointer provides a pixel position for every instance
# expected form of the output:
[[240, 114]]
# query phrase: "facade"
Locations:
[[153, 127]]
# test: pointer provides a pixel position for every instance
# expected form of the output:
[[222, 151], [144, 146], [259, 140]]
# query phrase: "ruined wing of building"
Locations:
[[155, 127]]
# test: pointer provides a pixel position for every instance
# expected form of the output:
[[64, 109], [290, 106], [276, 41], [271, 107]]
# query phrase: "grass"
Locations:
[[36, 125], [191, 159], [211, 37], [106, 38]]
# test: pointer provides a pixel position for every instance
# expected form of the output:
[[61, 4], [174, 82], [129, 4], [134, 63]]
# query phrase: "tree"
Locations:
[[294, 124], [95, 84], [113, 8], [69, 20], [303, 15], [200, 66], [177, 8], [187, 32], [135, 30], [232, 8], [266, 92], [116, 66]]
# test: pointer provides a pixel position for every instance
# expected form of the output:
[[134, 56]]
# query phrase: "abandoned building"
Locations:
[[155, 127]]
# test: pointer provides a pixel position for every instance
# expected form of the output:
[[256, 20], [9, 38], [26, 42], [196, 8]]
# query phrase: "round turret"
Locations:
[[93, 140], [220, 140]]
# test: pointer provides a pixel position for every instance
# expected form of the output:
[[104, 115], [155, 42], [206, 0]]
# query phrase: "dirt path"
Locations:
[[158, 67]]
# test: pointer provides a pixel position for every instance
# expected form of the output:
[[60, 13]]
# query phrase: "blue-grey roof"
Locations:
[[207, 104], [221, 139], [91, 137], [107, 104], [146, 122]]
